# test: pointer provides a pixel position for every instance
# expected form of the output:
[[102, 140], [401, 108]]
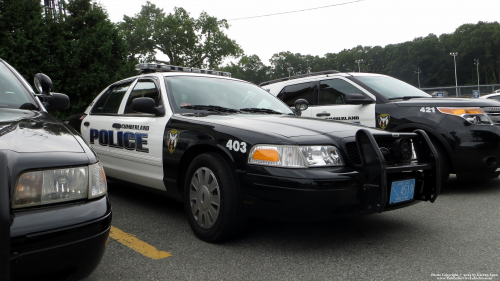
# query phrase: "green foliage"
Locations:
[[430, 54], [249, 68], [185, 40], [23, 35], [82, 51], [287, 63]]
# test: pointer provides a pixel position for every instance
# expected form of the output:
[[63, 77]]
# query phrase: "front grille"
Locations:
[[495, 117], [493, 113], [355, 155]]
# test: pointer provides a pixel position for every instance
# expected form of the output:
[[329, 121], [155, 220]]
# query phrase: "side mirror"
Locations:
[[43, 84], [147, 105], [357, 99], [301, 104], [56, 101]]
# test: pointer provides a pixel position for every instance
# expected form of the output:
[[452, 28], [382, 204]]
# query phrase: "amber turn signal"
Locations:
[[266, 155]]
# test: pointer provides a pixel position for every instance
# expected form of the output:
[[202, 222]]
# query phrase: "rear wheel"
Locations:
[[212, 199]]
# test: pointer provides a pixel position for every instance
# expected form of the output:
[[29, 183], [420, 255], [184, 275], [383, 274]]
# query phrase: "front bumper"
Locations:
[[325, 193], [58, 243]]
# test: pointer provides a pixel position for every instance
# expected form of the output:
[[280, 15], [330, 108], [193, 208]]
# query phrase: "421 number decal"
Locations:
[[237, 146], [428, 110]]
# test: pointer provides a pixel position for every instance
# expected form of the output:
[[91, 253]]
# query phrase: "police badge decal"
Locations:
[[383, 120], [172, 138]]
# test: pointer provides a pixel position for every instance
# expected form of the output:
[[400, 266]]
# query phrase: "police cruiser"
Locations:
[[55, 215], [229, 150], [461, 129]]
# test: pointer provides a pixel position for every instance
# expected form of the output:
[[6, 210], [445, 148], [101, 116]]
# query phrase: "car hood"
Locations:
[[446, 102], [285, 125], [30, 131]]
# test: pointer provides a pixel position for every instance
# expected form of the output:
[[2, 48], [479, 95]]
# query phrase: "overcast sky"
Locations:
[[324, 30]]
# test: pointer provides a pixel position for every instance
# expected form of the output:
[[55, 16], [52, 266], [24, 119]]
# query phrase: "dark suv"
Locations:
[[462, 130], [54, 212]]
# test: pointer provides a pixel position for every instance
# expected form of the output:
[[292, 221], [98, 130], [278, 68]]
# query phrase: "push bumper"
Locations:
[[54, 249], [325, 193]]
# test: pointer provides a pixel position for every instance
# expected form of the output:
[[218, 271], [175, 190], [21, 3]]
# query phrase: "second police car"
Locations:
[[462, 130], [229, 150]]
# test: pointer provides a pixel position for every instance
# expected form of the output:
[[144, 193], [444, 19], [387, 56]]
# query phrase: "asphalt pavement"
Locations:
[[455, 238]]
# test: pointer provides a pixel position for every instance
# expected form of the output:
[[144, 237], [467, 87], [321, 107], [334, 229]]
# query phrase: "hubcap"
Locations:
[[204, 196]]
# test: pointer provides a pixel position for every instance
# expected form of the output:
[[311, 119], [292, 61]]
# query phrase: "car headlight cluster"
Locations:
[[293, 156], [473, 115], [59, 185]]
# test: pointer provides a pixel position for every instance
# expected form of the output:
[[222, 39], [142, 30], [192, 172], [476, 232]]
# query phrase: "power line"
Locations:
[[298, 10]]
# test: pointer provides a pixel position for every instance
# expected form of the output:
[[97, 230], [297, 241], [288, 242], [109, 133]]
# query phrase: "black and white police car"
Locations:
[[461, 129], [229, 150], [55, 216]]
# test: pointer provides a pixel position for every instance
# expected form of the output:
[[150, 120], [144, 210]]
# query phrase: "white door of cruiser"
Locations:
[[331, 103], [137, 155]]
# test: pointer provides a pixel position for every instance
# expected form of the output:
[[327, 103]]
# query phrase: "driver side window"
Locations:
[[143, 89], [332, 92]]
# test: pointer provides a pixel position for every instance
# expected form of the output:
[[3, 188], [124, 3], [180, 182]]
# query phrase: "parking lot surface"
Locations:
[[456, 237]]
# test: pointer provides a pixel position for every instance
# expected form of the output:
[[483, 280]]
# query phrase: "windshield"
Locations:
[[392, 88], [189, 94], [12, 93]]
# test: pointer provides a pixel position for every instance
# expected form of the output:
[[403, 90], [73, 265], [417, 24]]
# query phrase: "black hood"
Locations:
[[25, 131], [287, 126], [450, 102]]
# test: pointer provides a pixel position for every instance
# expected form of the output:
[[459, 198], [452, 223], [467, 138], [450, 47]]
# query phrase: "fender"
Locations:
[[175, 177]]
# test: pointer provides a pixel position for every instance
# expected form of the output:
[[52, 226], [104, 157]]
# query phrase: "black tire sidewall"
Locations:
[[230, 214], [443, 160]]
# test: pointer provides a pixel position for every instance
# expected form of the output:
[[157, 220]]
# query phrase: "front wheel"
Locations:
[[212, 199], [444, 161]]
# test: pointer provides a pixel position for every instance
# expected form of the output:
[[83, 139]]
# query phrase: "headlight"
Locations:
[[59, 185], [473, 115], [295, 156]]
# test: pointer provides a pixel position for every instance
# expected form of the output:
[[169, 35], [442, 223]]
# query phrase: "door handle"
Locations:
[[324, 113], [86, 124], [117, 126]]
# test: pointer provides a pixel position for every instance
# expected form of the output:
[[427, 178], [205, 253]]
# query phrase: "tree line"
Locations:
[[429, 56], [83, 51]]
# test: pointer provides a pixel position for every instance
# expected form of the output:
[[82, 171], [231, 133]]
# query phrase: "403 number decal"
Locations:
[[428, 110], [237, 146]]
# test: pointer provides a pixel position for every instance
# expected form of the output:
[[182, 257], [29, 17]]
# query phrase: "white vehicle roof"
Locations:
[[275, 87]]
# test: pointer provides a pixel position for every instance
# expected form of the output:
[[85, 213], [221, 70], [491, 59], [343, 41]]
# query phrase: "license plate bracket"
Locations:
[[402, 191]]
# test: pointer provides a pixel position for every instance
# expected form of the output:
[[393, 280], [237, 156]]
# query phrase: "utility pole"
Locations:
[[455, 54], [476, 62], [418, 75], [290, 69], [358, 62]]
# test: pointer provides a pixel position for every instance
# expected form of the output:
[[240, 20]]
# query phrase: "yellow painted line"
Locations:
[[137, 245]]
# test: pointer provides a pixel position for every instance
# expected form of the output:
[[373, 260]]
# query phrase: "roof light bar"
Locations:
[[153, 67]]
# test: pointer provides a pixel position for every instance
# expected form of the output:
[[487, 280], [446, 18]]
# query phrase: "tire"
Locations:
[[444, 161], [212, 199]]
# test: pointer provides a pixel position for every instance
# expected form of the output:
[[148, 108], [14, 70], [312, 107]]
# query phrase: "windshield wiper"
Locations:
[[215, 108], [406, 97], [264, 110]]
